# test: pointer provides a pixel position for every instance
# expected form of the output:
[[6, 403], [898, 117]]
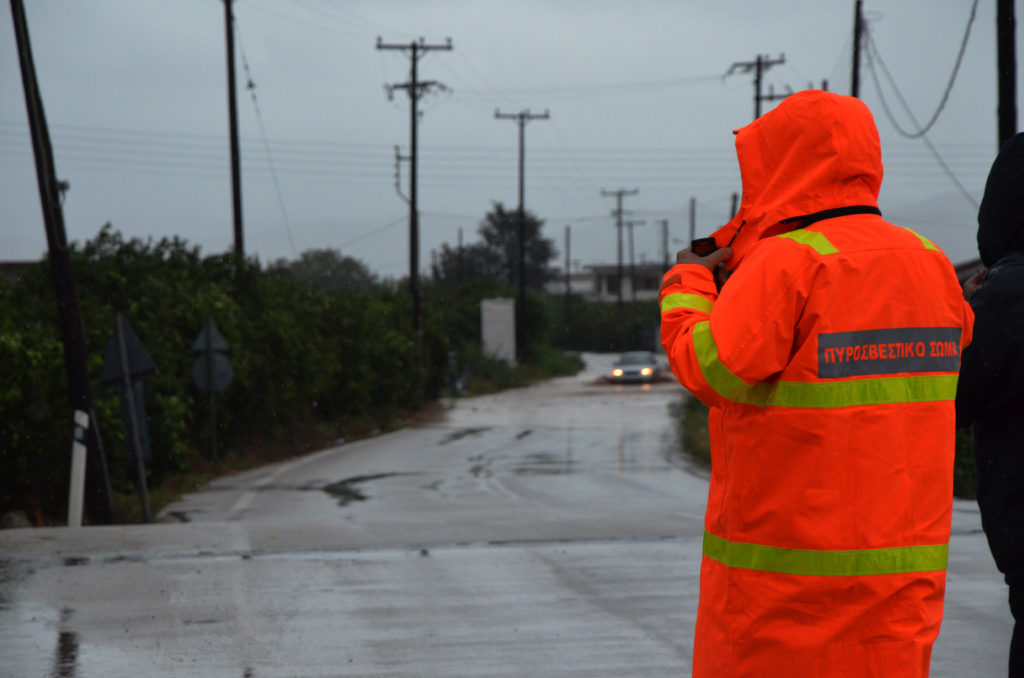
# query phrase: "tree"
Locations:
[[327, 270], [496, 258], [469, 264]]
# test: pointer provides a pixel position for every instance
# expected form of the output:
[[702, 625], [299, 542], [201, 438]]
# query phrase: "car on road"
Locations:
[[635, 367]]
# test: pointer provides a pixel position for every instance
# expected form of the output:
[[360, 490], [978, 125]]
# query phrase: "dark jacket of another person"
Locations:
[[990, 395]]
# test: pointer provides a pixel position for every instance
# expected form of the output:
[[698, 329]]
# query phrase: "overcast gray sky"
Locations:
[[135, 95]]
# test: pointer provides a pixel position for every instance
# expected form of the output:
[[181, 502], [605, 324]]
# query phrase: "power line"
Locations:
[[251, 86], [373, 232], [561, 91], [921, 131], [873, 55]]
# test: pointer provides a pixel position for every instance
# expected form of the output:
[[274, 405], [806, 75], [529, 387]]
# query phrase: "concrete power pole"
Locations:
[[522, 117], [236, 172], [617, 213], [1007, 63], [414, 86], [758, 66]]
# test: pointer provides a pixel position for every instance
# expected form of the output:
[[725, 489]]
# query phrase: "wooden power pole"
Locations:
[[618, 213], [97, 487], [236, 172], [414, 87], [1007, 63], [758, 66], [522, 118]]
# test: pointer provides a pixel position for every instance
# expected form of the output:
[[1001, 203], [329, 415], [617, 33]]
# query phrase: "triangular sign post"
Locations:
[[125, 362]]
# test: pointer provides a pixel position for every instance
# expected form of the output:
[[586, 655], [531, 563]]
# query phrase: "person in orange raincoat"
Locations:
[[826, 343]]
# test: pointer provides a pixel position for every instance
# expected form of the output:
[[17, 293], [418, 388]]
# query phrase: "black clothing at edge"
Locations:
[[990, 394]]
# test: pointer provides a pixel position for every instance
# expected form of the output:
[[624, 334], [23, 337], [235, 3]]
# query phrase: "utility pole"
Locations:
[[415, 50], [458, 262], [665, 242], [97, 485], [522, 117], [735, 204], [759, 65], [568, 275], [693, 218], [1007, 63], [617, 213], [632, 264], [858, 32], [236, 172]]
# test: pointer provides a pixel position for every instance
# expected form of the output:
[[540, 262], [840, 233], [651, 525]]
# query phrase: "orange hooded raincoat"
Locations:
[[829, 360]]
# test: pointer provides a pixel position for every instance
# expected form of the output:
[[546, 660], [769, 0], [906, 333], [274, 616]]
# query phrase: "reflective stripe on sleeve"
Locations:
[[718, 376], [852, 563], [815, 394], [688, 301], [824, 394]]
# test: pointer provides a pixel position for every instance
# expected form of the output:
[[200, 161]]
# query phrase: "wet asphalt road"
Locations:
[[550, 531]]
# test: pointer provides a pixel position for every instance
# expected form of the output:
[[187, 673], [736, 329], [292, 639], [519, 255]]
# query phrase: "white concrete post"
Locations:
[[76, 494]]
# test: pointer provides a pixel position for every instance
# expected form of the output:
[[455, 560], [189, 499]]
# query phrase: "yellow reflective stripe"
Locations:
[[689, 301], [718, 376], [815, 563], [816, 241], [824, 394], [928, 244]]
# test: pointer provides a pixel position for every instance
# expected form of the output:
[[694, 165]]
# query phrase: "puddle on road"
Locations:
[[462, 433], [545, 464], [346, 491], [65, 661]]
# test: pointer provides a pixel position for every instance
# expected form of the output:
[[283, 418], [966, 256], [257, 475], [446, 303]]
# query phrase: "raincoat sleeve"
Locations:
[[992, 369], [720, 345]]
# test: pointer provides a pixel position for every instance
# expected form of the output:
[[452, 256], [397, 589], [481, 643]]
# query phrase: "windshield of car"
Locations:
[[636, 358]]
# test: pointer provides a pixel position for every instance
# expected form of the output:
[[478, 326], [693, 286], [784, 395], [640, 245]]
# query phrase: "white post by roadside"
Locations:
[[76, 494]]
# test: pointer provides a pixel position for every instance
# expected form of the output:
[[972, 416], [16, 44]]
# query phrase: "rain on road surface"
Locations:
[[547, 531]]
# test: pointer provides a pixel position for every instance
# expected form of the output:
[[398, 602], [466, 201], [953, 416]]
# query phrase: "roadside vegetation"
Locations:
[[321, 349]]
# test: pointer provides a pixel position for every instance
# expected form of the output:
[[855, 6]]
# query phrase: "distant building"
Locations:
[[600, 282], [11, 271]]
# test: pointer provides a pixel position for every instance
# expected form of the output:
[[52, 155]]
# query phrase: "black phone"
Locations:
[[703, 246]]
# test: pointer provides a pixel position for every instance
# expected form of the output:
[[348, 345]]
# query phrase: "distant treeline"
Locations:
[[321, 350]]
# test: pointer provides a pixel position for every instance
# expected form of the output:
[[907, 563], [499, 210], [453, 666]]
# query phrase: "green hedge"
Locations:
[[336, 362]]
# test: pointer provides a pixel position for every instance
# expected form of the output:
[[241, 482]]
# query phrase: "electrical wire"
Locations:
[[873, 56], [375, 231], [921, 131], [251, 86]]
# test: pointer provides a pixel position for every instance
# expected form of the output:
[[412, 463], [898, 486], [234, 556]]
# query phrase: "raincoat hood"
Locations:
[[1001, 215], [815, 151]]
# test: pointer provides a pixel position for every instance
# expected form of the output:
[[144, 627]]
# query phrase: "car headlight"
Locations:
[[647, 371], [617, 372]]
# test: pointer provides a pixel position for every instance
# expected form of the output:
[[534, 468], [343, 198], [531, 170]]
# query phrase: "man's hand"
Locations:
[[710, 261], [974, 282]]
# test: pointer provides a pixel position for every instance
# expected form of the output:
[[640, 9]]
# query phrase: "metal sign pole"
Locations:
[[213, 391], [129, 391]]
